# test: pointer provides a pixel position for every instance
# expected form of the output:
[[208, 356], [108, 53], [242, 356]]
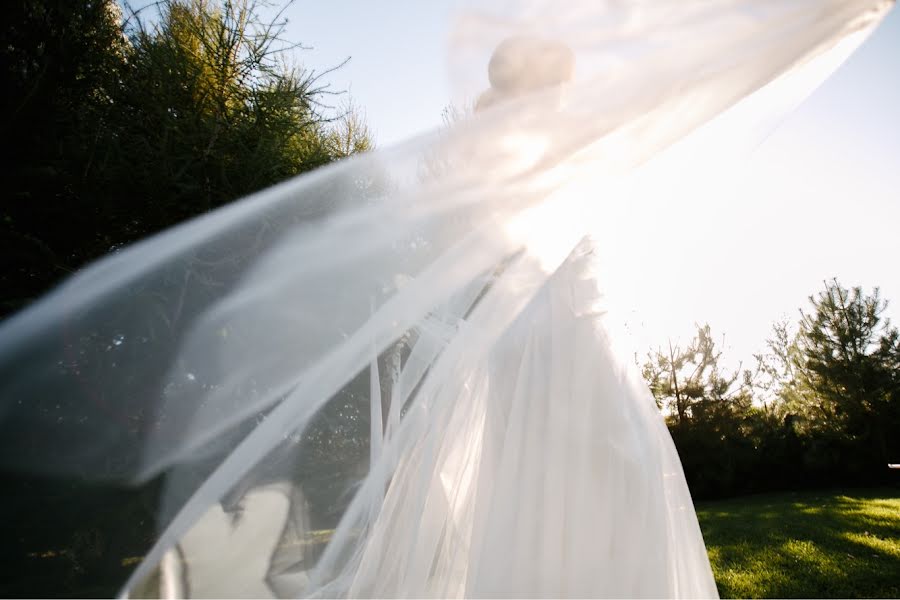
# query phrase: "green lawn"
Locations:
[[805, 544]]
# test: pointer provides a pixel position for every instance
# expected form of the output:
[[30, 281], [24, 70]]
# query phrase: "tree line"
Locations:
[[821, 407], [117, 124]]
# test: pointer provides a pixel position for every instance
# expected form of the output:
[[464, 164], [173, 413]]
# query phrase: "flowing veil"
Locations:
[[393, 376]]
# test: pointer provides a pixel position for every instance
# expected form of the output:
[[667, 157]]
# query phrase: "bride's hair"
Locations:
[[525, 63]]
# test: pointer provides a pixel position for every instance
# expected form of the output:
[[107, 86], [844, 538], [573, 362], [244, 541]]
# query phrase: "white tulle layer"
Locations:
[[541, 467], [518, 456]]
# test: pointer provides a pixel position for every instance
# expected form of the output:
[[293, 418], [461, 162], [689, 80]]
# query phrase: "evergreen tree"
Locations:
[[849, 364], [60, 64], [118, 128]]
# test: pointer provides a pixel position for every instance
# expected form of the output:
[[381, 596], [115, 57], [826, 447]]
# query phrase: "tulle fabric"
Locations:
[[544, 471], [390, 377]]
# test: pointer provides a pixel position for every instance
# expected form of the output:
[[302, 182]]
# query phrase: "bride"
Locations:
[[393, 377], [544, 468]]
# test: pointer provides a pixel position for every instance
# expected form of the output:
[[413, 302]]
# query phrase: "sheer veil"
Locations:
[[396, 368]]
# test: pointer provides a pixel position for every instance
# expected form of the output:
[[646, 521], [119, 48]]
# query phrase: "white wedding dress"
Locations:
[[393, 377], [548, 473], [537, 466]]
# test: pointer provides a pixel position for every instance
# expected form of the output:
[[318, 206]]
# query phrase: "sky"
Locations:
[[816, 199]]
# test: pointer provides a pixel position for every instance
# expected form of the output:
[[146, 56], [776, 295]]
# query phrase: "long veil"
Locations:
[[392, 377]]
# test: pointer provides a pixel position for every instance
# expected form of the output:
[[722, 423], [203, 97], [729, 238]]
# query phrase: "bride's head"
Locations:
[[523, 64]]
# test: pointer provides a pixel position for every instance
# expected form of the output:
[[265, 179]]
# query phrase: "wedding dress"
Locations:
[[393, 376]]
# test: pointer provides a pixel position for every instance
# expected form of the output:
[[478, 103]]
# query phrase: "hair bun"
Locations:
[[526, 63]]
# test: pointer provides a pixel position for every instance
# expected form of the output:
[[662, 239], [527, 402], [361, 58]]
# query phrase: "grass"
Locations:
[[805, 544]]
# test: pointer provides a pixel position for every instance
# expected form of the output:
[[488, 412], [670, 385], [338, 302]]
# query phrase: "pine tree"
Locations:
[[849, 362]]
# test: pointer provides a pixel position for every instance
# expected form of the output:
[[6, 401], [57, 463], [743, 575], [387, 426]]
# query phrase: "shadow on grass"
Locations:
[[805, 544], [70, 538]]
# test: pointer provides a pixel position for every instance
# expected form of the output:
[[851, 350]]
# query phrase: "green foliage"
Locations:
[[822, 407], [114, 128], [60, 61], [210, 111], [778, 383], [724, 441], [121, 128], [849, 362], [805, 545], [690, 381]]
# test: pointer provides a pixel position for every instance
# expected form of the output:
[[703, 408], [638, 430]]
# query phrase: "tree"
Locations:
[[60, 63], [118, 128], [848, 361], [113, 129], [210, 111], [684, 381], [778, 383], [721, 437], [350, 134], [831, 401]]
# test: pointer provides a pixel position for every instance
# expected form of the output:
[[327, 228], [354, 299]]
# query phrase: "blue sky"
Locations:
[[817, 199], [396, 72]]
